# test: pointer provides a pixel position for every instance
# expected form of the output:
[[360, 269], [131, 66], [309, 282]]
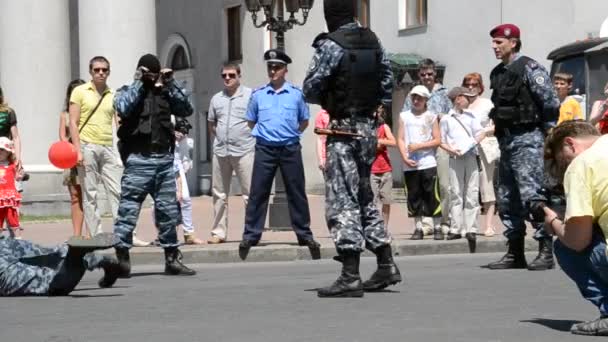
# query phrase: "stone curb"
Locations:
[[266, 252]]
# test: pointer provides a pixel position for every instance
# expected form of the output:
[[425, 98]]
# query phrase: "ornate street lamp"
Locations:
[[277, 23], [278, 215]]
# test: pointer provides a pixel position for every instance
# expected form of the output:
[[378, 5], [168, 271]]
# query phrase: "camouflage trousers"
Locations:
[[143, 176], [28, 269], [520, 178], [351, 213]]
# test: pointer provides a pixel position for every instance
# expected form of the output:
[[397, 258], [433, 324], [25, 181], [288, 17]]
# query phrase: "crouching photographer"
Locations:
[[578, 154]]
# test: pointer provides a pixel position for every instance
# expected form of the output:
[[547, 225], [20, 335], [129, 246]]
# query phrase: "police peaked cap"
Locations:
[[276, 56]]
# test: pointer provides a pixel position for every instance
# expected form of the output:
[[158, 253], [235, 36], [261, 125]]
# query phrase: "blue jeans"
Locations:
[[588, 269]]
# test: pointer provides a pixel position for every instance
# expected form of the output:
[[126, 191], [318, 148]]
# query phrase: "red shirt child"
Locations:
[[10, 198]]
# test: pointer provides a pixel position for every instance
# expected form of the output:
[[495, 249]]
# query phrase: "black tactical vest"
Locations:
[[150, 129], [513, 102], [355, 90]]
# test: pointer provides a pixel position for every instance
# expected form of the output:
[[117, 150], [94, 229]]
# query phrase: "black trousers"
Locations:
[[422, 193], [289, 160]]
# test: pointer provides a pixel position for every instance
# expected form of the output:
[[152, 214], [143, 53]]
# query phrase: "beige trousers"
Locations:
[[464, 194], [222, 170], [101, 164]]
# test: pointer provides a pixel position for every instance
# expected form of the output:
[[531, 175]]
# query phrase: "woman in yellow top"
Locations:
[[570, 109]]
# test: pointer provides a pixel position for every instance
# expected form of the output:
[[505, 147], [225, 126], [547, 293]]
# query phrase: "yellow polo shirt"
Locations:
[[99, 129], [586, 184]]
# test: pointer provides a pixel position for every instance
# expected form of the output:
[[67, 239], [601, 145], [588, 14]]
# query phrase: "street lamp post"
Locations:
[[274, 21]]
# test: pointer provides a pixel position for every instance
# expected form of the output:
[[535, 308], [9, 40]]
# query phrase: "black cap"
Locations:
[[151, 62], [276, 56]]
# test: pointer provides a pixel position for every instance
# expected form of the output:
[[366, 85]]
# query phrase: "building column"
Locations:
[[35, 70], [120, 30]]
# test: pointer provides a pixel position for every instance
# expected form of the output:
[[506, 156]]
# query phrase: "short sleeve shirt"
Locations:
[[277, 114], [232, 134], [569, 110], [586, 185], [8, 119], [98, 129]]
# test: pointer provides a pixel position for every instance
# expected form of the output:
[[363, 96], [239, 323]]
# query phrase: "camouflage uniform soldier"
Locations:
[[28, 269], [146, 146], [525, 105], [350, 76]]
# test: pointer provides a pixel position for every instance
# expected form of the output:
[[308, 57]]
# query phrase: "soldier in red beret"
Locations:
[[525, 106]]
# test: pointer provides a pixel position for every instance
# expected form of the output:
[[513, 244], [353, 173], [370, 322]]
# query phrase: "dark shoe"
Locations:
[[452, 236], [244, 248], [418, 235], [124, 260], [472, 241], [173, 263], [386, 274], [112, 270], [348, 283], [597, 327], [438, 234], [514, 258], [544, 259], [313, 246]]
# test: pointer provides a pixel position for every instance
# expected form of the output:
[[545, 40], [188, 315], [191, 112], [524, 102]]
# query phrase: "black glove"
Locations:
[[536, 210]]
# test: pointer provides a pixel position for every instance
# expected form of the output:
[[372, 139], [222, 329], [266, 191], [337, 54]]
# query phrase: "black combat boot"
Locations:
[[173, 263], [514, 258], [69, 274], [348, 283], [122, 254], [387, 272], [111, 271], [544, 259]]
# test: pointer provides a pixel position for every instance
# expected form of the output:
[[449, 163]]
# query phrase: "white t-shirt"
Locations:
[[419, 129]]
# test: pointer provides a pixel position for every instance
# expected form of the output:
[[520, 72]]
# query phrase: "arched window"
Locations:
[[179, 61]]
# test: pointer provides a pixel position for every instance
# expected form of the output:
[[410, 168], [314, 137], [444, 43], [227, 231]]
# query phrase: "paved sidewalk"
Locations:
[[275, 246]]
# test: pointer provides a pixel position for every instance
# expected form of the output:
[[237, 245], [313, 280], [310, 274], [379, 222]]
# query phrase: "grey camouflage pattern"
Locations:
[[520, 178], [127, 98], [28, 269], [351, 213], [152, 176], [324, 63]]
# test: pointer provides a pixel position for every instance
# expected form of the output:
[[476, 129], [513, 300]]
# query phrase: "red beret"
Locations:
[[505, 31]]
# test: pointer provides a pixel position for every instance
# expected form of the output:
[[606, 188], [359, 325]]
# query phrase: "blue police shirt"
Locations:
[[277, 114]]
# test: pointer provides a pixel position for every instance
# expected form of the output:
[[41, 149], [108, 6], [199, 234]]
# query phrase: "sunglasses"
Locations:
[[427, 74], [98, 70], [230, 75]]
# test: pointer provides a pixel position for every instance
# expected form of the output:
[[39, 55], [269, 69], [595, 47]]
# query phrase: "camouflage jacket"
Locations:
[[128, 97], [325, 62]]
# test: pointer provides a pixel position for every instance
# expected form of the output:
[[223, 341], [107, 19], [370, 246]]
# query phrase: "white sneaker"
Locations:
[[140, 243]]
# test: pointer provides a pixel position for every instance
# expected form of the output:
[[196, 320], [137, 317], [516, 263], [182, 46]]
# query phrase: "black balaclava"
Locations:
[[338, 13], [153, 64]]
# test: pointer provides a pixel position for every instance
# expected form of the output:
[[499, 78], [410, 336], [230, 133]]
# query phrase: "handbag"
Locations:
[[477, 158]]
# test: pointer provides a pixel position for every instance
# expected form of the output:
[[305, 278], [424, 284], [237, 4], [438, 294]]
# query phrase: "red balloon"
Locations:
[[63, 155]]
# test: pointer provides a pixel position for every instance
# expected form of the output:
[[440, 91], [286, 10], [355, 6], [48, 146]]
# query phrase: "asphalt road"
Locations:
[[444, 298]]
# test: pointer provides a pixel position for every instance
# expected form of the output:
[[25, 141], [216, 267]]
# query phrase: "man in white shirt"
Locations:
[[461, 131]]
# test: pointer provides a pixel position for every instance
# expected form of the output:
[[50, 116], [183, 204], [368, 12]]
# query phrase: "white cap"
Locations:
[[421, 91]]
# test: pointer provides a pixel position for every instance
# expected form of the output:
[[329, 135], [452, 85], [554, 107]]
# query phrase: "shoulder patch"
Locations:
[[539, 80]]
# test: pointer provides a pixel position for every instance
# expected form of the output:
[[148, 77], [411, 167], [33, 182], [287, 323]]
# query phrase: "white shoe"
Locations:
[[140, 243]]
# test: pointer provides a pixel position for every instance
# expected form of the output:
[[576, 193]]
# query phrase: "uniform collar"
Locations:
[[284, 89]]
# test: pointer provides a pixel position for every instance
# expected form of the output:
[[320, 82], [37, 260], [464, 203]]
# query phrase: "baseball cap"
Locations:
[[420, 90]]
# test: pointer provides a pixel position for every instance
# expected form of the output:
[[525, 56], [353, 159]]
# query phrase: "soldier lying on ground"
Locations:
[[28, 269]]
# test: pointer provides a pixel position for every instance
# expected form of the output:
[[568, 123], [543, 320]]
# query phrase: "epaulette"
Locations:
[[318, 38], [258, 89], [532, 64], [296, 88]]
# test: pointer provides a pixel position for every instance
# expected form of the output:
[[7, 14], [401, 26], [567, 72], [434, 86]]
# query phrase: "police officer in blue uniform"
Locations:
[[277, 115], [525, 107], [350, 77]]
